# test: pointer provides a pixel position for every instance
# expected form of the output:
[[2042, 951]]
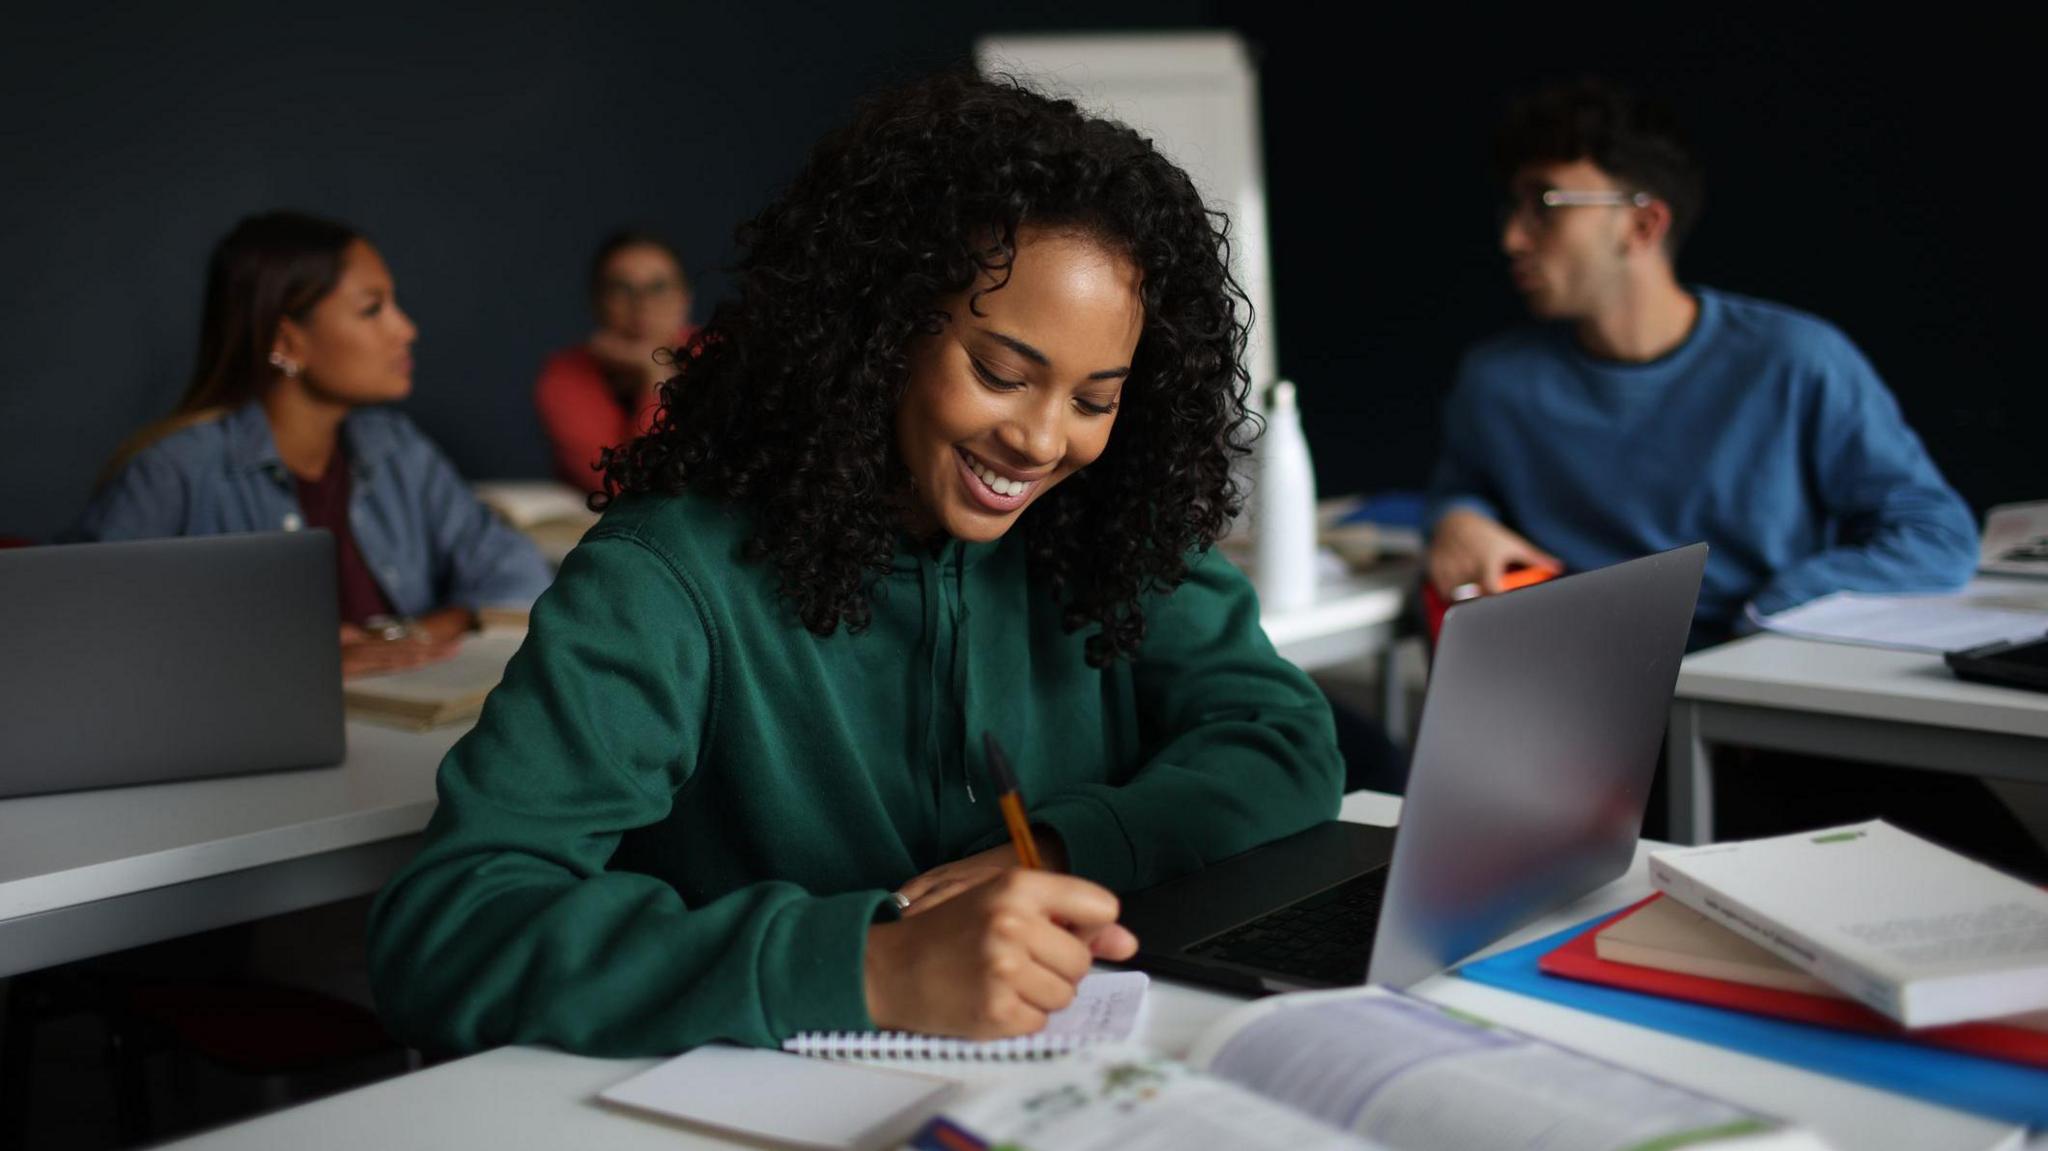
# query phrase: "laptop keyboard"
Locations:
[[1326, 937]]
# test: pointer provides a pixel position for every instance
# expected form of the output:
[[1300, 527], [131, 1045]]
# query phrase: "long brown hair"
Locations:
[[271, 267]]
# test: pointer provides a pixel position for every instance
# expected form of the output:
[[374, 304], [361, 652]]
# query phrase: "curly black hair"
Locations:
[[786, 402]]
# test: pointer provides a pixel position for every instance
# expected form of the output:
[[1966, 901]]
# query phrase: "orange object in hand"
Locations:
[[1434, 605]]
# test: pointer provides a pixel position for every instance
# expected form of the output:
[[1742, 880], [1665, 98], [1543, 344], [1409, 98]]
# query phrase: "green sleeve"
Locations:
[[507, 927], [1243, 750]]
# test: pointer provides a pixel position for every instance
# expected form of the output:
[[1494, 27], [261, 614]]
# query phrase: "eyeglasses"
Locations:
[[627, 292], [1538, 208]]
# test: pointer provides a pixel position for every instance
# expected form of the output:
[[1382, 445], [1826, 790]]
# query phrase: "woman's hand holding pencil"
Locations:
[[994, 960], [991, 944]]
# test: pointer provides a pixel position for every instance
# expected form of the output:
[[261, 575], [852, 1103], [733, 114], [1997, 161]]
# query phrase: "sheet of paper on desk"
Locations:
[[786, 1098], [1984, 612]]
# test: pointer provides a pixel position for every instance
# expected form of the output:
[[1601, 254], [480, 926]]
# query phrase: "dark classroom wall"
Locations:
[[1870, 174]]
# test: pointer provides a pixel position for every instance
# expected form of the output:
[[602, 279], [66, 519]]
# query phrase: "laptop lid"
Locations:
[[1534, 757], [154, 660]]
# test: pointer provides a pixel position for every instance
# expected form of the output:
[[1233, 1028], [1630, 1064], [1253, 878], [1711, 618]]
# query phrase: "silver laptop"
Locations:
[[1532, 766], [157, 660]]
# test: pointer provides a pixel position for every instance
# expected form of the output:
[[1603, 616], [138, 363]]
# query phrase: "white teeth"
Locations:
[[1000, 485]]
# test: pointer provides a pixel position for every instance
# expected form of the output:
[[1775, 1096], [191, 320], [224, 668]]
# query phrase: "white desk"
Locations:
[[525, 1097], [1353, 618], [92, 872], [1873, 704]]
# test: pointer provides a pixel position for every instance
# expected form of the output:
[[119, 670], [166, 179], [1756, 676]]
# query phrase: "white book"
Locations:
[[1907, 927]]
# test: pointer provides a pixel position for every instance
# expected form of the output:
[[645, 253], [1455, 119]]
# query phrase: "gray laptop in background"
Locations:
[[1532, 765], [154, 660]]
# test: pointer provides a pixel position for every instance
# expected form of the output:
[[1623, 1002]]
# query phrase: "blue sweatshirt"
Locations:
[[1766, 434]]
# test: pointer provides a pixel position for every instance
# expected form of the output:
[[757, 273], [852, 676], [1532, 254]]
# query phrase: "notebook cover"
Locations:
[[1578, 959], [2007, 1091]]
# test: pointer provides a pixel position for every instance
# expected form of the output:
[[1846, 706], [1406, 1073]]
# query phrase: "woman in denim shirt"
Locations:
[[301, 335]]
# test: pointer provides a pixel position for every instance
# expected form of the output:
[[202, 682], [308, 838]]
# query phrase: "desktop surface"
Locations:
[[96, 871], [527, 1097], [1851, 680]]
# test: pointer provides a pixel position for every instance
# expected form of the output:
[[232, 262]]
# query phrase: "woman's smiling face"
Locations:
[[1005, 403]]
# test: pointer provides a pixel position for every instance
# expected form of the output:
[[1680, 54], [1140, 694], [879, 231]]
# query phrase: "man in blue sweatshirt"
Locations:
[[1641, 414]]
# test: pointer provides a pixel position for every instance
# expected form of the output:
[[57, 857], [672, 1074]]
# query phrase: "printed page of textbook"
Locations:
[[1417, 1077], [1129, 1099]]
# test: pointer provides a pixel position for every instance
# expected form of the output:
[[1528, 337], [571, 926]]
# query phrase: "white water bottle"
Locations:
[[1284, 527]]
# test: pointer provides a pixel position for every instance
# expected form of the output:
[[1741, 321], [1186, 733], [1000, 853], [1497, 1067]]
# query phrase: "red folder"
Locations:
[[1577, 959]]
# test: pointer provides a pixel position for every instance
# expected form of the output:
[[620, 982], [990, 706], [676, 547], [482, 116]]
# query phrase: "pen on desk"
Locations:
[[1011, 801]]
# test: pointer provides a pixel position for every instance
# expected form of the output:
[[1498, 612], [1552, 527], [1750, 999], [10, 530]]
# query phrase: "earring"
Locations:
[[286, 365]]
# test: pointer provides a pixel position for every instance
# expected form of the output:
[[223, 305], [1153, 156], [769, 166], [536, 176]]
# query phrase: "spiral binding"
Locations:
[[910, 1045]]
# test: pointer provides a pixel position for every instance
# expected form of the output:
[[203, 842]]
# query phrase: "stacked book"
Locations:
[[1864, 928]]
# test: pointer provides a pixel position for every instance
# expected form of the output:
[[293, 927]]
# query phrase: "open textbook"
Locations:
[[435, 694], [553, 515], [1355, 1068]]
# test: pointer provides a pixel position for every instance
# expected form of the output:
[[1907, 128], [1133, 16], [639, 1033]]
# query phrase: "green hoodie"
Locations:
[[680, 812]]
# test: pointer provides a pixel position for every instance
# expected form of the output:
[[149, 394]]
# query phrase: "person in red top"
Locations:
[[603, 392]]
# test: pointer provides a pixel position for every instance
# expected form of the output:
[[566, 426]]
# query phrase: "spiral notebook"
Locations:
[[1106, 1009]]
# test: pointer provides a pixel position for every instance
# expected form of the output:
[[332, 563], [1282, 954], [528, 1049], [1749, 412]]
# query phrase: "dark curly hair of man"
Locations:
[[785, 404]]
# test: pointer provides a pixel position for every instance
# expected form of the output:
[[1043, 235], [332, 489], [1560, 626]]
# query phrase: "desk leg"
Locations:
[[20, 1017], [1691, 765]]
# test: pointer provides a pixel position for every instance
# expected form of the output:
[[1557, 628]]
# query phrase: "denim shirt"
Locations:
[[427, 541]]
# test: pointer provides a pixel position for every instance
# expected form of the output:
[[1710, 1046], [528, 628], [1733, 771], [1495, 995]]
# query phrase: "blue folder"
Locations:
[[2009, 1091]]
